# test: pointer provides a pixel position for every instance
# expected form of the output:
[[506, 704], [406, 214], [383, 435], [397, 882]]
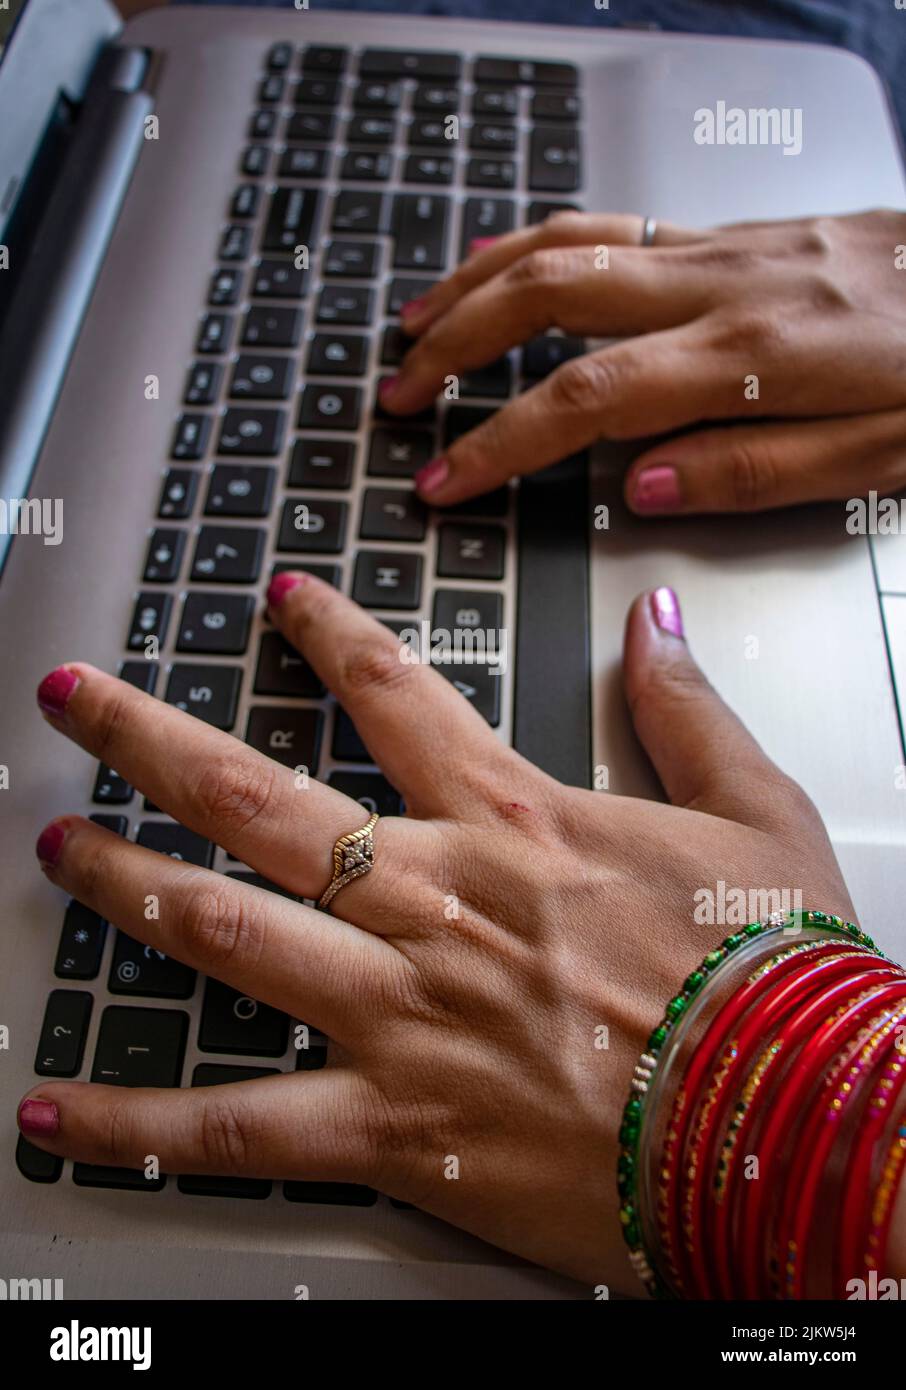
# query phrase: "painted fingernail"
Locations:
[[49, 844], [39, 1118], [666, 610], [413, 307], [280, 586], [432, 476], [657, 490], [55, 691], [387, 387], [480, 242]]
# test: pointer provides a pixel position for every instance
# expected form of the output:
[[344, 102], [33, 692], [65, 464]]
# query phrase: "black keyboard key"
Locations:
[[322, 463], [262, 378], [273, 279], [252, 431], [256, 161], [358, 210], [235, 243], [394, 345], [338, 354], [430, 131], [346, 304], [111, 788], [356, 259], [342, 1194], [392, 514], [210, 693], [35, 1164], [313, 525], [303, 163], [62, 1041], [371, 130], [398, 452], [262, 125], [149, 619], [470, 552], [203, 383], [317, 91], [272, 326], [488, 135], [420, 224], [435, 97], [460, 419], [190, 438], [478, 683], [226, 282], [403, 288], [279, 57], [143, 970], [387, 579], [291, 219], [303, 126], [495, 103], [205, 1184], [556, 106], [371, 166], [494, 503], [468, 608], [377, 96], [240, 489], [330, 407], [347, 746], [229, 554], [142, 675], [81, 943], [117, 825], [313, 1057], [541, 356], [166, 837], [372, 791], [215, 333], [554, 159], [393, 62], [519, 71], [485, 217], [165, 551], [246, 200], [496, 380], [330, 574], [429, 168], [290, 735], [324, 58], [234, 1023], [271, 89], [282, 671], [491, 173], [177, 496], [216, 624]]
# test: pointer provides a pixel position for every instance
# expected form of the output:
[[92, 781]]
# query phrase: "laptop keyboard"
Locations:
[[281, 458]]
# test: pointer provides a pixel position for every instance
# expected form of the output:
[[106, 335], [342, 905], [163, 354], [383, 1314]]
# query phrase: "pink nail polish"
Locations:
[[39, 1118], [387, 387], [480, 242], [280, 586], [657, 490], [666, 610], [55, 691], [50, 842], [414, 306], [432, 475]]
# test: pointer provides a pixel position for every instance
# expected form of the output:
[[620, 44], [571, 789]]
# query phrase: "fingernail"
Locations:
[[414, 306], [55, 691], [666, 610], [50, 842], [432, 476], [280, 586], [40, 1118], [480, 242], [387, 387], [657, 490]]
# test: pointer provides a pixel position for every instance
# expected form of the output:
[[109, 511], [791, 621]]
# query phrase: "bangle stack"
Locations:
[[764, 1138]]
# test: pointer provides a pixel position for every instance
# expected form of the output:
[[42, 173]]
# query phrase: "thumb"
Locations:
[[704, 755], [749, 468]]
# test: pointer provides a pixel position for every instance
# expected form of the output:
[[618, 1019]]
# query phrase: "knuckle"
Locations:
[[541, 268], [92, 871], [817, 238], [119, 1135], [371, 665], [225, 1133], [669, 688], [824, 293], [753, 330], [216, 927], [233, 794], [112, 721], [724, 255], [584, 385], [752, 476], [564, 223]]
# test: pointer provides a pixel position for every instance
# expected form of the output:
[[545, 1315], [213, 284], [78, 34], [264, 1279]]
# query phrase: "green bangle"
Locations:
[[633, 1112]]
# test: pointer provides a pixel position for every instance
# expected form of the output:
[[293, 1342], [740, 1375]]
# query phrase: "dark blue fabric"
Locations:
[[873, 28]]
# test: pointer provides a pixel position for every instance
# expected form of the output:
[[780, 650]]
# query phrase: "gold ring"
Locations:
[[353, 856]]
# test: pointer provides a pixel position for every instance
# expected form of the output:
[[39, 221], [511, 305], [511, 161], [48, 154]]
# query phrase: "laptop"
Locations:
[[178, 377]]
